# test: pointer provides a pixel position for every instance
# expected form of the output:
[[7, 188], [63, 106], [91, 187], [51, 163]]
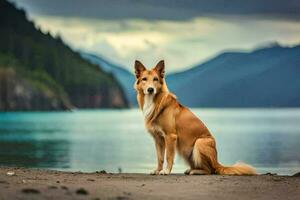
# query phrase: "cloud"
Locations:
[[163, 9], [181, 43], [183, 32]]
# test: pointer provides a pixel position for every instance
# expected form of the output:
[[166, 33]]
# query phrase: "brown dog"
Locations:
[[174, 126]]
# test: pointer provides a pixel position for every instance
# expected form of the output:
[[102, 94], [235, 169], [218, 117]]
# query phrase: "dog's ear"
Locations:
[[139, 68], [160, 68]]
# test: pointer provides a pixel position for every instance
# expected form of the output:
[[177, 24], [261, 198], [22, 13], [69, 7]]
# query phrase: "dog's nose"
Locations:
[[150, 90]]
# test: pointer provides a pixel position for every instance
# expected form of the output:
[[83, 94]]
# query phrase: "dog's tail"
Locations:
[[236, 169]]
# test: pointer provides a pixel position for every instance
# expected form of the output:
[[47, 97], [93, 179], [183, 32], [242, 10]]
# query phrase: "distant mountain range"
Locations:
[[266, 77]]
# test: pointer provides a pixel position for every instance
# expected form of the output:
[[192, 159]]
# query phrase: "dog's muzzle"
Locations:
[[150, 90]]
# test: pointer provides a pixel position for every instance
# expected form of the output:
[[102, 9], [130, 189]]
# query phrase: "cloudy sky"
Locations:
[[183, 32]]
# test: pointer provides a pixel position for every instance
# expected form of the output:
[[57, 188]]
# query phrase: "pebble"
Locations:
[[121, 198], [30, 191], [64, 187], [270, 174], [52, 187], [101, 172], [10, 173], [4, 182], [82, 191]]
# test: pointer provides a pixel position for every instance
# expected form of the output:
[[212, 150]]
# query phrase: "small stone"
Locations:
[[101, 172], [4, 182], [89, 179], [127, 193], [30, 191], [11, 173], [82, 191], [277, 179], [121, 198], [270, 174], [64, 187]]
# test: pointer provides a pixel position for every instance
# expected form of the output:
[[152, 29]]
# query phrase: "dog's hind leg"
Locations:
[[204, 156]]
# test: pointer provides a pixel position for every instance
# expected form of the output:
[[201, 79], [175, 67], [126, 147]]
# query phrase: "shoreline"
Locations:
[[23, 183]]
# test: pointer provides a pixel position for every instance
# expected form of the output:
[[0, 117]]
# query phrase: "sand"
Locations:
[[46, 184]]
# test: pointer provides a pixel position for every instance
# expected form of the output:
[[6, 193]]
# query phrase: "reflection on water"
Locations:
[[47, 154], [269, 139]]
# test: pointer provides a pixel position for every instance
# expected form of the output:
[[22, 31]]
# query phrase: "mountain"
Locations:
[[39, 72], [125, 78], [265, 77]]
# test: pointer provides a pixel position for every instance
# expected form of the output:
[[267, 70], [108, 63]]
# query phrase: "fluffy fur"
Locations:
[[175, 127]]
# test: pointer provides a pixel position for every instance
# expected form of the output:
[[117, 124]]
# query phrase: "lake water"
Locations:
[[113, 140]]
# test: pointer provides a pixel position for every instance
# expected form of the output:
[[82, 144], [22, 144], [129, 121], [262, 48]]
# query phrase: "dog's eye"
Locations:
[[144, 79], [155, 79]]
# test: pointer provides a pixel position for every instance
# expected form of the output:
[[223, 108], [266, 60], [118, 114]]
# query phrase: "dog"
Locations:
[[175, 127]]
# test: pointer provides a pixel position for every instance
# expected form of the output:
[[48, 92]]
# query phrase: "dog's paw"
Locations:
[[165, 172], [154, 172], [187, 172]]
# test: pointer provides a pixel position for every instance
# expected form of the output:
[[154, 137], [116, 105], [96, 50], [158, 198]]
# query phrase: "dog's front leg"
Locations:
[[170, 140], [160, 153]]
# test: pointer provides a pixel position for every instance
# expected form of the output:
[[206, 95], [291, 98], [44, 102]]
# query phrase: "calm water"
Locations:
[[269, 139]]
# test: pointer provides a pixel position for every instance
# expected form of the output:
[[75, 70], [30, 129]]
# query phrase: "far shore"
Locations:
[[23, 183]]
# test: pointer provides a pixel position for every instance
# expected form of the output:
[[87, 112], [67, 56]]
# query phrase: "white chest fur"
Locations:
[[148, 106]]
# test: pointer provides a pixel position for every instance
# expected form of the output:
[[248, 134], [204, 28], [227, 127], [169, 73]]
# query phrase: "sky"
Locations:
[[182, 32]]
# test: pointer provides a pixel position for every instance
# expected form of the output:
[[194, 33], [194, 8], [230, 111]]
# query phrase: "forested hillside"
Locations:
[[125, 77], [39, 72]]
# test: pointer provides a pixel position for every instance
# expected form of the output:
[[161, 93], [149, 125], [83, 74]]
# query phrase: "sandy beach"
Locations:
[[20, 183]]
